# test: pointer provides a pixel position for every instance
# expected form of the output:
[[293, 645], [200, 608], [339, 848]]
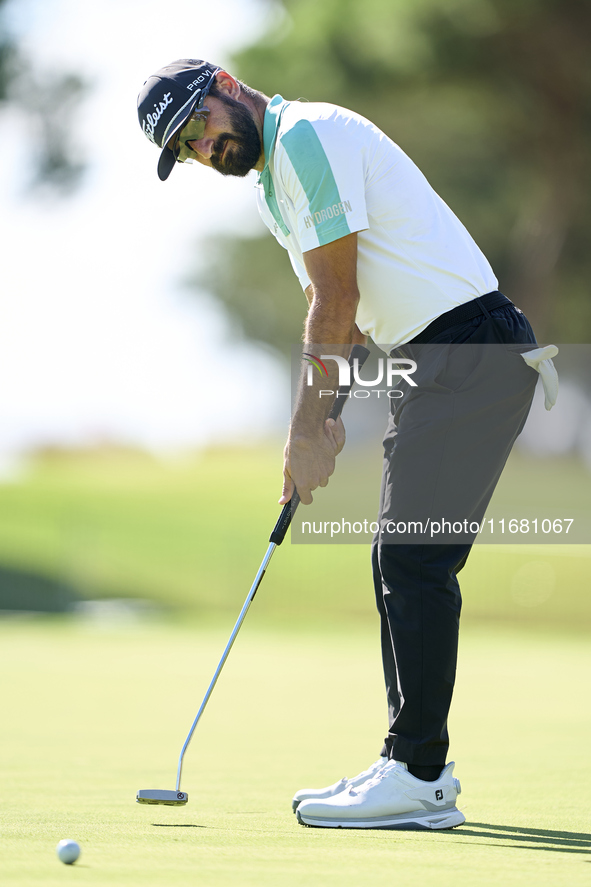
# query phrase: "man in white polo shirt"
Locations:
[[378, 254]]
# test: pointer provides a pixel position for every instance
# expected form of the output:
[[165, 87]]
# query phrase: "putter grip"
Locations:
[[359, 353]]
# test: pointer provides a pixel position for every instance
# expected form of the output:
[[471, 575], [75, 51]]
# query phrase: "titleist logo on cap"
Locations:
[[149, 122]]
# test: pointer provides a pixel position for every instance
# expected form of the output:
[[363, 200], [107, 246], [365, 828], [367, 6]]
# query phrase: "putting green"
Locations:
[[91, 713]]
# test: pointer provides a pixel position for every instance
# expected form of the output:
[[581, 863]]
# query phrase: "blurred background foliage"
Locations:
[[492, 100], [52, 159], [114, 530]]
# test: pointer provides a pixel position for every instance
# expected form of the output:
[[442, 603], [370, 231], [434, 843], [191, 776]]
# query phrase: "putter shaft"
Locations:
[[236, 629]]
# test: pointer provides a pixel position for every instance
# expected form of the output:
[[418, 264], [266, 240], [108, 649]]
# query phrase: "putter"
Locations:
[[178, 798]]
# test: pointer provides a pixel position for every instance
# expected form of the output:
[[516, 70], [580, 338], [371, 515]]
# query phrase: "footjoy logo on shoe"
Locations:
[[439, 794]]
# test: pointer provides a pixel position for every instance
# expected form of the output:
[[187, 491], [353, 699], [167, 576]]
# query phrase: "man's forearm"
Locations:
[[313, 443], [330, 327]]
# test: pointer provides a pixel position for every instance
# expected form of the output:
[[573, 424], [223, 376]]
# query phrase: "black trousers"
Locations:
[[445, 447]]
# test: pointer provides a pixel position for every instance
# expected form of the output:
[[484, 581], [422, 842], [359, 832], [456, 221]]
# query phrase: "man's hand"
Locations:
[[309, 461]]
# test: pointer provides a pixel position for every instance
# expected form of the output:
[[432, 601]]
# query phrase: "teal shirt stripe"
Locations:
[[312, 168]]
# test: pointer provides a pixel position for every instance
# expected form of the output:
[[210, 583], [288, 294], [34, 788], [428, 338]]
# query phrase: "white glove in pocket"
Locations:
[[540, 359]]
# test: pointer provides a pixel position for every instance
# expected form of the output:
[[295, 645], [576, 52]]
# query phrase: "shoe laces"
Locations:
[[373, 768], [377, 777], [369, 770]]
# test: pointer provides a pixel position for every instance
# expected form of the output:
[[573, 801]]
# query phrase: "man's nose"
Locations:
[[203, 147]]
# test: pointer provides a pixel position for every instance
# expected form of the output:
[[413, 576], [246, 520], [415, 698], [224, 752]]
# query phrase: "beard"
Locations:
[[243, 154]]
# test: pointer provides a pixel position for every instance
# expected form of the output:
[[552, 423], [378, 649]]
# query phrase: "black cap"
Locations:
[[167, 100]]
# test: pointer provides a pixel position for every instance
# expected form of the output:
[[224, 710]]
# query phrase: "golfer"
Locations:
[[378, 253]]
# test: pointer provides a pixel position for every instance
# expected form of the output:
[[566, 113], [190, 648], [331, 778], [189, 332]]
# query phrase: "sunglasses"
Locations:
[[193, 130]]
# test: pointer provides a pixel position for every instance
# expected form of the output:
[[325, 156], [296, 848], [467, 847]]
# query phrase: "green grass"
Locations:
[[92, 713], [190, 535]]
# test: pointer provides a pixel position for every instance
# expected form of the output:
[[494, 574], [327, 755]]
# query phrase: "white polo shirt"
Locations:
[[330, 172]]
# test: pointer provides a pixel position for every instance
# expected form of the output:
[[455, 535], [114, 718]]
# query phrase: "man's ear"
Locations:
[[226, 83]]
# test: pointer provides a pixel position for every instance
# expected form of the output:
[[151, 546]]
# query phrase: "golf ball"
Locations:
[[68, 851]]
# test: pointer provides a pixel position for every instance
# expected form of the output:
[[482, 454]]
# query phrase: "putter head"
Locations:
[[158, 796]]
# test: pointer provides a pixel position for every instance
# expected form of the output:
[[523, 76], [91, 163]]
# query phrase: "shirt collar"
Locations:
[[273, 113]]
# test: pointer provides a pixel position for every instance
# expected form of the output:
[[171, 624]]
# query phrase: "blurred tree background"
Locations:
[[491, 98], [47, 102]]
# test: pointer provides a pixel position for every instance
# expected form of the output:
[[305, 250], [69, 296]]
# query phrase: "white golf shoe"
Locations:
[[392, 799], [320, 794]]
